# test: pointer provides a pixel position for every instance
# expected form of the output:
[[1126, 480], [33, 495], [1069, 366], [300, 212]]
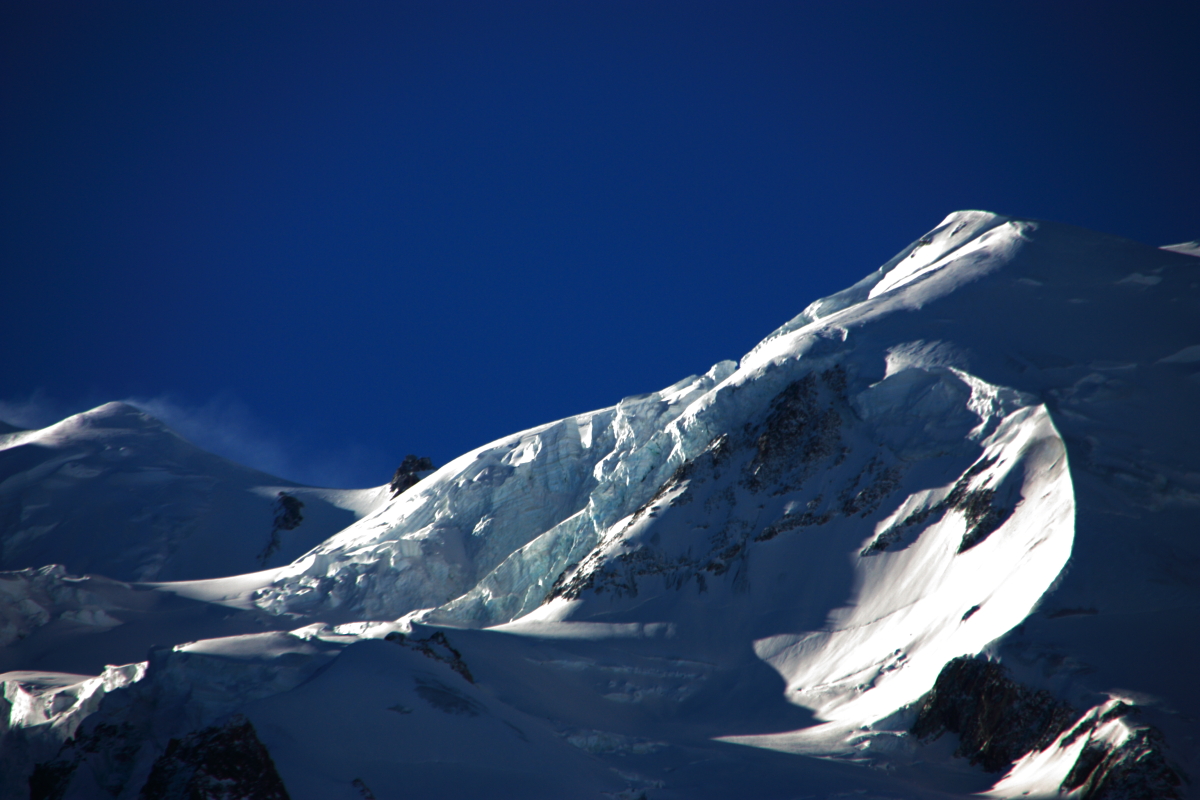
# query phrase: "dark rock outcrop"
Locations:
[[1135, 769], [802, 427], [407, 474], [978, 506], [50, 779], [997, 719], [799, 436], [114, 746], [287, 518], [437, 647], [225, 762]]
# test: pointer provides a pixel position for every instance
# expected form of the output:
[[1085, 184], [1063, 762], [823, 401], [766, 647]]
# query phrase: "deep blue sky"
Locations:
[[319, 236]]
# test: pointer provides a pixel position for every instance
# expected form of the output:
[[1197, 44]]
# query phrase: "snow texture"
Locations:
[[168, 510], [949, 510]]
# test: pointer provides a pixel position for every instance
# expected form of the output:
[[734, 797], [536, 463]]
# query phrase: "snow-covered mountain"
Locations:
[[937, 535], [115, 492]]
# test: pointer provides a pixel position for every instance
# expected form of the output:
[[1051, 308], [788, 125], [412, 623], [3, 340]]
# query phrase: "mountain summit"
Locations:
[[114, 491], [935, 536]]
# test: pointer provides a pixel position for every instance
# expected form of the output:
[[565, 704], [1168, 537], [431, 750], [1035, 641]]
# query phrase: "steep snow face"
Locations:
[[896, 477], [493, 523], [952, 589], [857, 560], [1013, 314], [113, 491], [988, 446]]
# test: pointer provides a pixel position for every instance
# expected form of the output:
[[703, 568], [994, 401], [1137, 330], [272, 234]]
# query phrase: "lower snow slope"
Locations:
[[988, 446]]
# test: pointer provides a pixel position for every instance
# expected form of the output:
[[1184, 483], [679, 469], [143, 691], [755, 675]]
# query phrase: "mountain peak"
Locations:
[[118, 414], [794, 553]]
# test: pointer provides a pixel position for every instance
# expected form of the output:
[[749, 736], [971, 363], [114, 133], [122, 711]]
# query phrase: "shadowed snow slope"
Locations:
[[115, 492], [987, 448]]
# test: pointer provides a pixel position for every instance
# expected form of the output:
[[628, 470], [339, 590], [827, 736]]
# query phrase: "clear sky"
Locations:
[[317, 236]]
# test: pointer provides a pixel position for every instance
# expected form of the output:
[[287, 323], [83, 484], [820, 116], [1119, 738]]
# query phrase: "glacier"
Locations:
[[973, 474]]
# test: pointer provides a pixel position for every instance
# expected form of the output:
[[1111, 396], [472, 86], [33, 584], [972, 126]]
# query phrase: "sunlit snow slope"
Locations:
[[986, 448]]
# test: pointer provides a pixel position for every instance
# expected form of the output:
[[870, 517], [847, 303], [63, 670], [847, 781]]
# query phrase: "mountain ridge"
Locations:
[[172, 511], [984, 453]]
